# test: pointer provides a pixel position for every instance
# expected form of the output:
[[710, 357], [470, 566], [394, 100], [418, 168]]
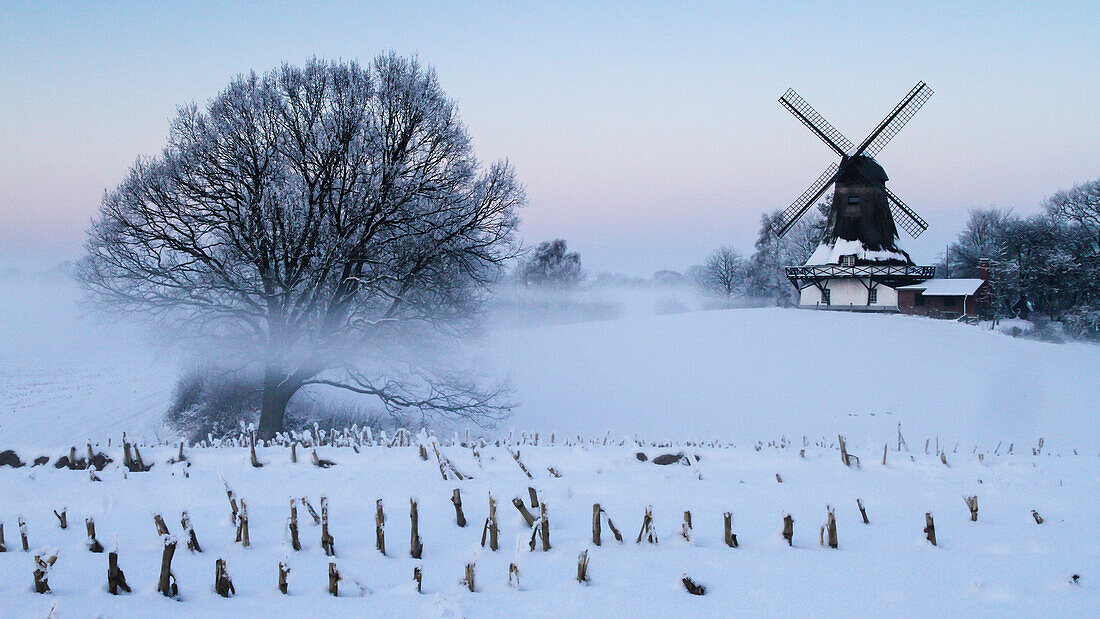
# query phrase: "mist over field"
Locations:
[[70, 371], [633, 358]]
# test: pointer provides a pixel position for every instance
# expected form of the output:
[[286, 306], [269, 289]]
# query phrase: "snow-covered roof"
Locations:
[[831, 254], [940, 287]]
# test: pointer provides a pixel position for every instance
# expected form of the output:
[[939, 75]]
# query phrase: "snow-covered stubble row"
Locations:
[[1005, 562]]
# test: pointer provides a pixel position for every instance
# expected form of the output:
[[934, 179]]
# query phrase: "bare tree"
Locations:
[[1079, 205], [983, 237], [723, 273], [320, 220], [765, 274], [803, 239], [551, 264]]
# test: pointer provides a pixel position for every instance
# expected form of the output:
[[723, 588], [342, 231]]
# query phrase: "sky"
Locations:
[[646, 133]]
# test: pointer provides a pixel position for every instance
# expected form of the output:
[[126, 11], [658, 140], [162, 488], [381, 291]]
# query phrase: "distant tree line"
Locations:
[[725, 273], [1049, 261]]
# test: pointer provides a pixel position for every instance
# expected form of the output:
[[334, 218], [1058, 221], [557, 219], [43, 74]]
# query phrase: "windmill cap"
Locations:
[[870, 168]]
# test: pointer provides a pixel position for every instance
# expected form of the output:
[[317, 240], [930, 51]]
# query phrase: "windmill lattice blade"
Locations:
[[808, 115], [799, 207], [905, 216], [895, 120]]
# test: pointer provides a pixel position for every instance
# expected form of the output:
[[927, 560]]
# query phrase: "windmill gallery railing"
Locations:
[[861, 270], [891, 275]]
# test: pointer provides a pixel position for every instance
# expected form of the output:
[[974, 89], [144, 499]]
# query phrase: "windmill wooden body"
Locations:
[[858, 265]]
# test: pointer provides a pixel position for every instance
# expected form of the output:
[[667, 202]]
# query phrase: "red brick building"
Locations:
[[946, 298]]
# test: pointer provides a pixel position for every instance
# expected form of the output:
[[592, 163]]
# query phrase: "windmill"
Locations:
[[860, 239]]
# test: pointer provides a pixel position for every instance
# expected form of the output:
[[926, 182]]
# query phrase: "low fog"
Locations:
[[71, 374], [84, 372], [626, 356]]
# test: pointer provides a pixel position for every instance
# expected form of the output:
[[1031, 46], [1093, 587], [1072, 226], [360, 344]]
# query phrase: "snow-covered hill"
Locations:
[[754, 374]]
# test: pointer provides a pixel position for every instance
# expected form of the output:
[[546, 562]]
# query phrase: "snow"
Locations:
[[751, 374], [1013, 417], [65, 377], [947, 287], [1004, 564], [831, 254]]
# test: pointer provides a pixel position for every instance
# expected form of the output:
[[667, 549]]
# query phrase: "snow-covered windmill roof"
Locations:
[[831, 254], [946, 287]]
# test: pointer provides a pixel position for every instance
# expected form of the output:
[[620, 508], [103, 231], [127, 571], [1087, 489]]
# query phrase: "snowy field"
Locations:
[[65, 377], [1005, 564], [757, 374], [780, 380]]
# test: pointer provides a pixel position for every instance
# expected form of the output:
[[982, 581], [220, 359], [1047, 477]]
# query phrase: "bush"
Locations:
[[209, 402], [1084, 323], [219, 403], [552, 265], [1046, 330]]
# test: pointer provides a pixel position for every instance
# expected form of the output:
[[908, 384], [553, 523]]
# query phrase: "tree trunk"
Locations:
[[278, 389]]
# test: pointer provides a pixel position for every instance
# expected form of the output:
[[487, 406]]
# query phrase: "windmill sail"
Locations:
[[829, 134], [895, 120], [799, 207], [857, 173], [905, 216]]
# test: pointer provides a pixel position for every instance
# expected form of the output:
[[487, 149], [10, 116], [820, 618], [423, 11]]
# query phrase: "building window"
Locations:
[[918, 300], [826, 297], [848, 261], [854, 200], [872, 296], [950, 301]]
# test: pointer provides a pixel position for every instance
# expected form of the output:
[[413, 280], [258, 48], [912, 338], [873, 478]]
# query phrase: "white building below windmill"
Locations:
[[850, 281]]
